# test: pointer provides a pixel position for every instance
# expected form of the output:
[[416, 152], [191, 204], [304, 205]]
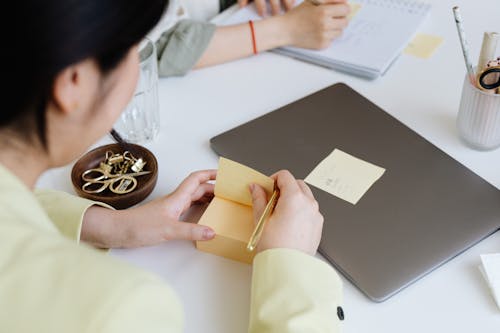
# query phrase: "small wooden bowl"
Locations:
[[145, 183]]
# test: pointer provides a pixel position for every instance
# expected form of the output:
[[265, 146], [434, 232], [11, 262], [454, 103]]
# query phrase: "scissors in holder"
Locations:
[[99, 179], [489, 78]]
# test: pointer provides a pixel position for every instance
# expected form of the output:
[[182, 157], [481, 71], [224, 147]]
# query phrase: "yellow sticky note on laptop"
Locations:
[[230, 213], [344, 176], [423, 46]]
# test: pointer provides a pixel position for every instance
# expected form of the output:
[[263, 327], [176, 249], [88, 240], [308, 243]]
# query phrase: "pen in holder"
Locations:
[[478, 119]]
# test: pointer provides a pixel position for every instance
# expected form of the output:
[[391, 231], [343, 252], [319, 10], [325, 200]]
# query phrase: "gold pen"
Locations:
[[257, 232]]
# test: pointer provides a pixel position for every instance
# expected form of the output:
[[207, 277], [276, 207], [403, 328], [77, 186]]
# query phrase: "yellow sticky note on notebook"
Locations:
[[423, 46], [355, 7], [230, 213], [344, 176]]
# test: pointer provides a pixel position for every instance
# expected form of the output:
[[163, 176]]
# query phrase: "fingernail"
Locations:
[[208, 234], [252, 187]]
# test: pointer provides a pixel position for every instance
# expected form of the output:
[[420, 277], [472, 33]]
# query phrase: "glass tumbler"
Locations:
[[478, 119], [140, 122]]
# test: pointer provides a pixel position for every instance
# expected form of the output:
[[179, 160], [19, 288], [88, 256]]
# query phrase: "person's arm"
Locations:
[[146, 305], [181, 47], [294, 292], [192, 44], [291, 290], [152, 223], [306, 26], [67, 211]]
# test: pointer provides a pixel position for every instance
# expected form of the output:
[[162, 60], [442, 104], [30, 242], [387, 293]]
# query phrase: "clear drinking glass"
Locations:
[[140, 122], [478, 119]]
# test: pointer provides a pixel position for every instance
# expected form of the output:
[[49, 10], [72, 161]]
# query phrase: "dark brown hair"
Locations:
[[50, 35]]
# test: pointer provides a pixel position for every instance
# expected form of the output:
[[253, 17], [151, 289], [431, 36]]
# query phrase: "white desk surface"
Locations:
[[423, 94]]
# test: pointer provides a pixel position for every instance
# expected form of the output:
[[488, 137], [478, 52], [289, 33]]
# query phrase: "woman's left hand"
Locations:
[[154, 222]]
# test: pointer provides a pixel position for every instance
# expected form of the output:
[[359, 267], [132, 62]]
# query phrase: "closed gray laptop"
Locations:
[[426, 209]]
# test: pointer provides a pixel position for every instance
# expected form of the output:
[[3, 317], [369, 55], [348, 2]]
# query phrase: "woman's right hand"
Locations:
[[296, 222], [316, 26], [276, 6]]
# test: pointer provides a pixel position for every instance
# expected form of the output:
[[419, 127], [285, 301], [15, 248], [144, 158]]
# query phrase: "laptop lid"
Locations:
[[426, 208]]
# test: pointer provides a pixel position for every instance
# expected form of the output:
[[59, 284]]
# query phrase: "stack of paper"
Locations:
[[491, 271], [230, 213]]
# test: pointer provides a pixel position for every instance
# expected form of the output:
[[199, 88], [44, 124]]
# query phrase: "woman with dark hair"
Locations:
[[74, 66]]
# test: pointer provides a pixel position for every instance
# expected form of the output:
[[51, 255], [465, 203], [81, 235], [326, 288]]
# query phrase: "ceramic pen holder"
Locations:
[[478, 119]]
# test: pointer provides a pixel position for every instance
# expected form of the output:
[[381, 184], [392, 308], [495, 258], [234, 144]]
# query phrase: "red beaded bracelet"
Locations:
[[254, 43]]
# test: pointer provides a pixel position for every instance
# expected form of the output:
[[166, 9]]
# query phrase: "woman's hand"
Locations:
[[306, 25], [316, 26], [296, 222], [276, 5], [154, 222]]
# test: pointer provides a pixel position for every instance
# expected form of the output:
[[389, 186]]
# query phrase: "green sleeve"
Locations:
[[180, 47], [66, 211], [293, 292]]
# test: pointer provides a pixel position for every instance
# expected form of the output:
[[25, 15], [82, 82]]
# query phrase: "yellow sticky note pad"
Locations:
[[230, 213], [233, 225], [233, 180], [355, 7], [423, 46], [344, 176]]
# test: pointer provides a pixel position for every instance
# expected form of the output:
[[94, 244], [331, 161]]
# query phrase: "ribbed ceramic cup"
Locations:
[[478, 119]]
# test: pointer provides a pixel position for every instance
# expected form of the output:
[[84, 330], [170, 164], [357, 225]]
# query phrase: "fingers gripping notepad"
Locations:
[[230, 213]]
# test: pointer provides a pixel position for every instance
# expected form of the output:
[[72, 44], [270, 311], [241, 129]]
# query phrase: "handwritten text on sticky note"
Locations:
[[344, 176]]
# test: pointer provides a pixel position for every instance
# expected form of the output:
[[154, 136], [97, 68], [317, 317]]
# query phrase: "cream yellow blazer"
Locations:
[[49, 283]]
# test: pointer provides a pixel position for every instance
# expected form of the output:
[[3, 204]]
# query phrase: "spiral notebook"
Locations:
[[375, 37]]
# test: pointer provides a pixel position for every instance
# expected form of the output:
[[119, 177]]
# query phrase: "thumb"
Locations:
[[259, 201], [189, 231]]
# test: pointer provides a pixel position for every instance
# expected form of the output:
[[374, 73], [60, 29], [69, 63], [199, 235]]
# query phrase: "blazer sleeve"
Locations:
[[293, 292], [149, 307], [179, 48], [66, 211]]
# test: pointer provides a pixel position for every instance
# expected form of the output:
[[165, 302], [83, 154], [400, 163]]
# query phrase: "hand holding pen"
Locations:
[[314, 24], [296, 222]]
